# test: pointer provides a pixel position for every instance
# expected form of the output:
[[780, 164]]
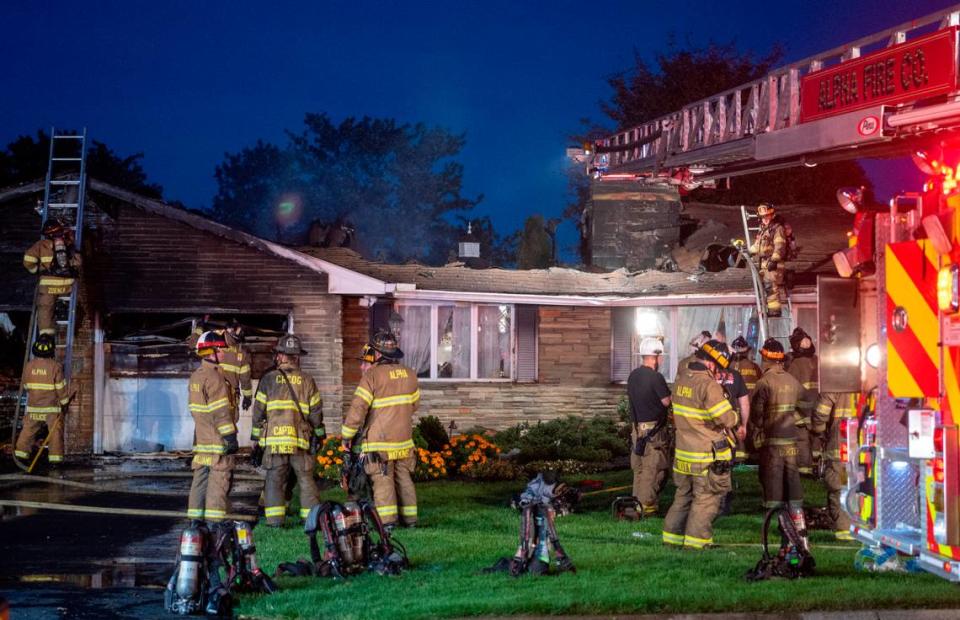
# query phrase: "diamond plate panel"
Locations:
[[899, 499]]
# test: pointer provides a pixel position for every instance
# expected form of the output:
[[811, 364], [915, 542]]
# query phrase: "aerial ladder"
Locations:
[[889, 326], [64, 195]]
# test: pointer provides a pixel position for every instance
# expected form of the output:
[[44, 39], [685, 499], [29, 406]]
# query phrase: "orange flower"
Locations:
[[339, 461], [329, 452]]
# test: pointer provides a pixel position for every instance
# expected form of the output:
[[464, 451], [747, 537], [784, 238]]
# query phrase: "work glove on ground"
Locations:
[[247, 401]]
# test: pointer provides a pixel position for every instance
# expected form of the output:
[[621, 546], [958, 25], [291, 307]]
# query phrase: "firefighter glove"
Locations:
[[315, 444], [771, 265], [247, 401], [230, 443], [256, 455]]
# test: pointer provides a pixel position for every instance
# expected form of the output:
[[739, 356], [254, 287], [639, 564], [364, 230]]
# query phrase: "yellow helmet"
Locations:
[[764, 209]]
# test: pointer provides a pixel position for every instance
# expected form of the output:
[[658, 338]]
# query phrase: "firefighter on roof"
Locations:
[[381, 419], [288, 424], [770, 247], [701, 467], [235, 362], [832, 407], [58, 266], [803, 366], [212, 403], [47, 395]]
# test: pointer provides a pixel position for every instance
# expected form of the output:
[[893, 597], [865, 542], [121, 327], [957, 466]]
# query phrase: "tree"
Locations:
[[395, 182], [26, 159], [536, 247]]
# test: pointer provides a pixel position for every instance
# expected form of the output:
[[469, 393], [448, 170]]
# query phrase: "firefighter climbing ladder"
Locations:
[[770, 327], [64, 195]]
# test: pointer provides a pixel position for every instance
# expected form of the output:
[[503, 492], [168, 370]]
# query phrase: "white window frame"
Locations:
[[474, 341]]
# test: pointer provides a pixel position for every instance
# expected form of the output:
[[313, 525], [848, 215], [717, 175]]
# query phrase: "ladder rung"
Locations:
[[68, 136], [64, 182], [61, 346], [63, 205], [63, 322], [67, 159], [62, 297]]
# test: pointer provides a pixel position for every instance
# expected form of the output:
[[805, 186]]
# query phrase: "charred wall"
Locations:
[[632, 225]]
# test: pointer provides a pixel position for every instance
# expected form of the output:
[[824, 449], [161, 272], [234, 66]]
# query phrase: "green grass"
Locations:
[[468, 527]]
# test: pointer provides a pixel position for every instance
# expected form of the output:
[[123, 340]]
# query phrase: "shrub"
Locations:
[[431, 430], [565, 467], [592, 440], [494, 469], [467, 451]]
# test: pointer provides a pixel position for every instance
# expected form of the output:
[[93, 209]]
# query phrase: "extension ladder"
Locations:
[[64, 195]]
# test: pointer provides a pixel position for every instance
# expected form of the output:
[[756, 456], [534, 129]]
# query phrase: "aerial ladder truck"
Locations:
[[889, 322]]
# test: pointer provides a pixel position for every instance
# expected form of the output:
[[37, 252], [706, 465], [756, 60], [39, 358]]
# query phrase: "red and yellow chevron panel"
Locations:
[[913, 327]]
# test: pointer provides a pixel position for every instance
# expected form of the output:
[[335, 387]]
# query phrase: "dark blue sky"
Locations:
[[185, 81]]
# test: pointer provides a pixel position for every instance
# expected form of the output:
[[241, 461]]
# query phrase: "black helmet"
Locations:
[[44, 346], [801, 343], [772, 350], [54, 227], [714, 351], [385, 343], [289, 345], [740, 345]]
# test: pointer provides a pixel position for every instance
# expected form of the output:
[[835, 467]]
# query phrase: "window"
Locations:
[[458, 341]]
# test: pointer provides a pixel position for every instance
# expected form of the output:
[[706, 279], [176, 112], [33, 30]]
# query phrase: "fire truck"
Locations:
[[889, 322]]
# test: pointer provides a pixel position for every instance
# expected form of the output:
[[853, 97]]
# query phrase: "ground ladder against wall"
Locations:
[[63, 197], [770, 327]]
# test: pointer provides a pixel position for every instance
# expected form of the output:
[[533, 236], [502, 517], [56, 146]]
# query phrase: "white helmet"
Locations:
[[651, 346]]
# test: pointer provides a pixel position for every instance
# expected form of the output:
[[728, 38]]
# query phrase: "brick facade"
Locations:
[[142, 262]]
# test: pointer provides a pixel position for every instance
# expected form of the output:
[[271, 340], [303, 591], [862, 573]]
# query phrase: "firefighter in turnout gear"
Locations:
[[770, 248], [288, 425], [831, 409], [212, 403], [741, 362], [381, 419], [774, 428], [235, 362], [695, 343], [58, 265], [701, 468], [649, 399], [803, 366], [47, 395]]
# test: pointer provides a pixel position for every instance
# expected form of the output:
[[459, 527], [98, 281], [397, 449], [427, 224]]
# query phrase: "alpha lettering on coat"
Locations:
[[399, 373], [685, 391], [194, 387], [39, 371]]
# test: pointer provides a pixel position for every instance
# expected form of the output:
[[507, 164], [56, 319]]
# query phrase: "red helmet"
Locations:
[[208, 341]]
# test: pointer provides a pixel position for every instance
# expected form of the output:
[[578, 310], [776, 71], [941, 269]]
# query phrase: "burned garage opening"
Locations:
[[149, 359]]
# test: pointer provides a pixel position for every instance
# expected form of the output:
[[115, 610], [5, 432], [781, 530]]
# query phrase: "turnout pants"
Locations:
[[209, 493], [833, 481], [393, 490], [33, 424], [650, 470], [774, 283], [46, 305], [689, 522], [278, 468], [780, 477]]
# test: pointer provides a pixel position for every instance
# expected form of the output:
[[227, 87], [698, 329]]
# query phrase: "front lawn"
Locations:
[[622, 567]]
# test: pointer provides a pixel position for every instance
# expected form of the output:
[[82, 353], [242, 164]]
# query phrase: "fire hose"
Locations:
[[109, 510]]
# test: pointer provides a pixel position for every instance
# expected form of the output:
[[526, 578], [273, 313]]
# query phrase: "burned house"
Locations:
[[492, 347]]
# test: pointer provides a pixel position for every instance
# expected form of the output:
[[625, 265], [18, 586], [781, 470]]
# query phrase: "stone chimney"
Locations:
[[632, 224]]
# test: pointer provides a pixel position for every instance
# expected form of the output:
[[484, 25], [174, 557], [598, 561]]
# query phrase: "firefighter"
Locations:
[[770, 248], [774, 425], [288, 425], [58, 265], [701, 467], [212, 403], [649, 399], [47, 395], [741, 362], [235, 362], [695, 344], [832, 407], [381, 420], [803, 366]]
